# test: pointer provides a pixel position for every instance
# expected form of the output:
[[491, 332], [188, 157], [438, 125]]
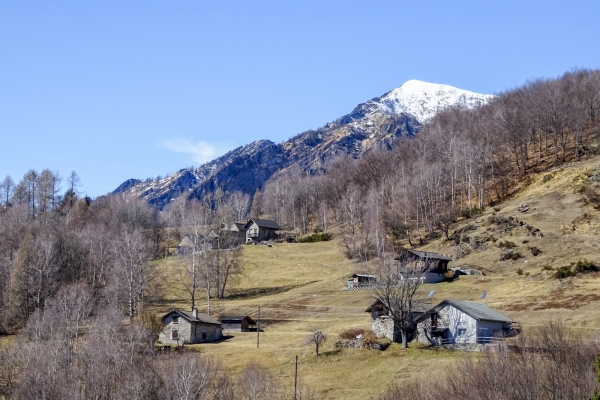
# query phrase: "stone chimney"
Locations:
[[195, 312]]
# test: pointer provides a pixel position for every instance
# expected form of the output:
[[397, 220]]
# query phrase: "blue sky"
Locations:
[[122, 89]]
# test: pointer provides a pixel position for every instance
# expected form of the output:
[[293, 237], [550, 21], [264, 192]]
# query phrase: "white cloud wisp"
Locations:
[[200, 152]]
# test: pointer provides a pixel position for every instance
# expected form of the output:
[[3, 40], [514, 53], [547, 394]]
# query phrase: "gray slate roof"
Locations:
[[475, 310], [187, 315], [237, 318], [239, 226], [263, 223], [430, 255], [417, 307]]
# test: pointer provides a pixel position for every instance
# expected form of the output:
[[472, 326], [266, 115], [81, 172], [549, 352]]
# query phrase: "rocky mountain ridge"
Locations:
[[375, 123]]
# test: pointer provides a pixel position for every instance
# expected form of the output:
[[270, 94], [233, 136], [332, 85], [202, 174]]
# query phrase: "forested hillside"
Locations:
[[460, 162]]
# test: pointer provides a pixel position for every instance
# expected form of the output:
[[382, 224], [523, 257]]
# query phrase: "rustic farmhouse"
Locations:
[[434, 266], [384, 326], [239, 323], [183, 327], [461, 322], [258, 230]]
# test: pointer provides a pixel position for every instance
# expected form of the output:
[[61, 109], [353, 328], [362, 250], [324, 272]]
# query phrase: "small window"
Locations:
[[203, 335], [462, 332], [175, 320], [174, 335]]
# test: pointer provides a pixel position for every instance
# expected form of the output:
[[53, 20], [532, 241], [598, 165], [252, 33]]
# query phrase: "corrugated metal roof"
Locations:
[[477, 311]]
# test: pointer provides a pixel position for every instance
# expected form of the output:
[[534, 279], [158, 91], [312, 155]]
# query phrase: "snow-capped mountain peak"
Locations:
[[423, 100]]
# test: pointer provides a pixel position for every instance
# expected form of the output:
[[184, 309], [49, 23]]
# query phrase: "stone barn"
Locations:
[[184, 327], [258, 230], [239, 323], [461, 322], [384, 326]]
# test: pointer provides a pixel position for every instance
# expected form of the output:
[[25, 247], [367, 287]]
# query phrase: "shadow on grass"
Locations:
[[252, 293], [330, 353]]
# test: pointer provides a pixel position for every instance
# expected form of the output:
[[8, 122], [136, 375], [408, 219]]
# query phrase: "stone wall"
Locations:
[[189, 332], [212, 332], [184, 328], [382, 325]]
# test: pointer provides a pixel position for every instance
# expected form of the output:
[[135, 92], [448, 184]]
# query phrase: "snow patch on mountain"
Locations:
[[423, 100]]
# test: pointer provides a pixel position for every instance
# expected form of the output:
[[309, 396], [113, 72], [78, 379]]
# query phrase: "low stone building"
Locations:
[[384, 326], [461, 322], [184, 327], [239, 323]]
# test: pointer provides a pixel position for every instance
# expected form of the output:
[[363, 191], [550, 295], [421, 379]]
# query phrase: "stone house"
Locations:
[[238, 229], [183, 327], [384, 326], [239, 323], [186, 246], [461, 322], [258, 230], [434, 266]]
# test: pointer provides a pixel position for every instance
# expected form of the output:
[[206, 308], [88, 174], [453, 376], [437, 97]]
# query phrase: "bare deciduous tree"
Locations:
[[398, 290], [316, 337]]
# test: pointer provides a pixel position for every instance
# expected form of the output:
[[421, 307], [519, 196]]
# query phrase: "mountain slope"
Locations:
[[375, 123]]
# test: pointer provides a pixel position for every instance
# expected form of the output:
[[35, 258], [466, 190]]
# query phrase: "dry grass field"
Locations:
[[298, 286]]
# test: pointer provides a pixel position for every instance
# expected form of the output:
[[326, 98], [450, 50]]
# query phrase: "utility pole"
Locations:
[[258, 329], [296, 378]]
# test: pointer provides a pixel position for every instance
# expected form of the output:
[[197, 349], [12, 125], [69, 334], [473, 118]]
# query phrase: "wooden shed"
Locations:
[[240, 323], [361, 280]]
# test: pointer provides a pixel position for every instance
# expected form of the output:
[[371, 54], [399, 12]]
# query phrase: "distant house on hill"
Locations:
[[240, 323], [258, 230], [238, 228], [461, 322], [359, 281], [434, 266], [183, 327], [384, 326], [186, 246]]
